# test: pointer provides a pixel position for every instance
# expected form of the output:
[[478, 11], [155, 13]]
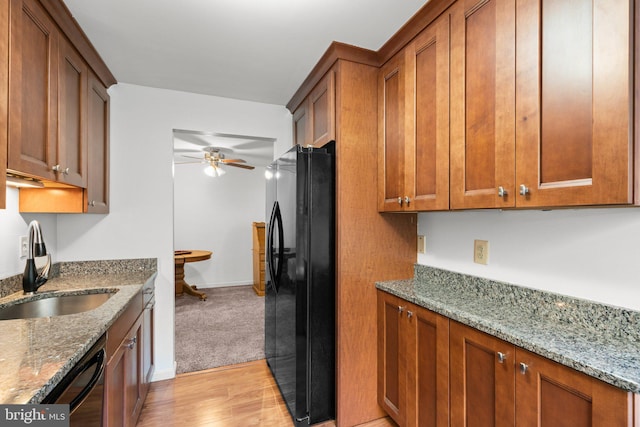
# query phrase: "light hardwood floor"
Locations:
[[237, 395]]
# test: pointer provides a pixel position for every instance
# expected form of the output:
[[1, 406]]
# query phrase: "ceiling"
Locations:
[[257, 50]]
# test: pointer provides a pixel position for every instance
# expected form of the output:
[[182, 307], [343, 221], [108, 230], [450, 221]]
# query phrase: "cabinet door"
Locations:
[[72, 122], [33, 90], [427, 160], [427, 365], [97, 192], [391, 375], [482, 104], [301, 128], [4, 99], [322, 107], [551, 395], [574, 97], [391, 134], [123, 401], [482, 379]]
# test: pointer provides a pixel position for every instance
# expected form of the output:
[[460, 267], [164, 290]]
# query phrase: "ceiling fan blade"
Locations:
[[233, 161], [187, 163], [239, 165], [192, 157]]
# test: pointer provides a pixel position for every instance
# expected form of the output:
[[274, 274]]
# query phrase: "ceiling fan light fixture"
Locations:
[[214, 171]]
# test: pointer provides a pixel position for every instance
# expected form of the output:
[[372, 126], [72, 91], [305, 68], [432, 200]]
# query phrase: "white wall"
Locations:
[[215, 214], [13, 225], [140, 222], [590, 253]]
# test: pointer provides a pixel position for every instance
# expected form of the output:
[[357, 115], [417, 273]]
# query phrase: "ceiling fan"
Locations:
[[214, 158]]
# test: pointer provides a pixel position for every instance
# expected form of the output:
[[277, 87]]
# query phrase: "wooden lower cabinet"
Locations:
[[433, 371], [482, 379], [126, 384], [413, 346], [494, 383]]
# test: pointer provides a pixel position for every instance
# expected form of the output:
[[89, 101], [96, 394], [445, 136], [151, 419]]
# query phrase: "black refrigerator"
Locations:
[[300, 281]]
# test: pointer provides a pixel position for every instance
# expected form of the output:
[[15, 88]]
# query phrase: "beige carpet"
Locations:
[[226, 329]]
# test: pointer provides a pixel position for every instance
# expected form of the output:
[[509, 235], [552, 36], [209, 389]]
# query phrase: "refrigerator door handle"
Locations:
[[275, 271], [280, 247]]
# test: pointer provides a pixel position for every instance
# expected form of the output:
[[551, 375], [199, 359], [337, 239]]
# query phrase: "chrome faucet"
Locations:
[[32, 279]]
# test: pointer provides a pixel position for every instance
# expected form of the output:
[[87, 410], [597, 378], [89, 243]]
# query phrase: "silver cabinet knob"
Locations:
[[524, 190], [400, 201], [92, 203], [409, 314], [407, 199], [56, 168], [132, 343], [66, 171], [502, 192], [501, 357], [400, 309], [523, 368]]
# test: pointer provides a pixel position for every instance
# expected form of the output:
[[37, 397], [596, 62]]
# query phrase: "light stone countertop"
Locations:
[[35, 354], [597, 339]]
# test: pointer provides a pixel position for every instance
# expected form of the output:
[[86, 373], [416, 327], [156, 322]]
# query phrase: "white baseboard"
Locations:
[[164, 375], [223, 285]]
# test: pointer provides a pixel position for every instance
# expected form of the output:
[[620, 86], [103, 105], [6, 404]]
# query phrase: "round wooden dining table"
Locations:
[[181, 258]]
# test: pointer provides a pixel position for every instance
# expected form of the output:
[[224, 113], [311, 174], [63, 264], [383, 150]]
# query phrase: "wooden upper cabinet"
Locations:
[[314, 121], [72, 122], [427, 160], [33, 90], [541, 107], [97, 191], [482, 103], [574, 102], [549, 394], [392, 131], [4, 99]]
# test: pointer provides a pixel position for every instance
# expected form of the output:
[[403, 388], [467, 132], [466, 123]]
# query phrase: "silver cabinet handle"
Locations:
[[400, 201], [501, 357], [502, 192], [407, 199], [66, 171], [56, 168], [409, 314], [400, 309], [132, 343], [524, 190], [523, 368]]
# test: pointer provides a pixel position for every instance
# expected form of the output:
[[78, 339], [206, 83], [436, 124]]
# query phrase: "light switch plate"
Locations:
[[24, 246], [481, 251], [422, 244]]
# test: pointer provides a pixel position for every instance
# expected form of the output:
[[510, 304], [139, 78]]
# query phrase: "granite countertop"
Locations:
[[597, 339], [35, 354]]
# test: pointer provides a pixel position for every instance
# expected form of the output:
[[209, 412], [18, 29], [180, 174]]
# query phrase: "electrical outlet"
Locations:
[[481, 251], [422, 244], [24, 246]]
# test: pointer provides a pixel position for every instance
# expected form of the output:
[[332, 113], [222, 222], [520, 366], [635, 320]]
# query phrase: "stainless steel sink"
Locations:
[[54, 305]]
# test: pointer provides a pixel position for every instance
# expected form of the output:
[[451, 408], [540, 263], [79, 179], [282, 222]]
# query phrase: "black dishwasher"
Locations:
[[83, 388]]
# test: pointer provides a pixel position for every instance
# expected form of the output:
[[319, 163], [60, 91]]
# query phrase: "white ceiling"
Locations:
[[257, 50]]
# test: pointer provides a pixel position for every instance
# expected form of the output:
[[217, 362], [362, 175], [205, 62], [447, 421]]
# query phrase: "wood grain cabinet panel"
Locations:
[[549, 394], [494, 383], [96, 194], [574, 102], [4, 99], [33, 90], [72, 121], [482, 379], [413, 377], [314, 122], [414, 124], [541, 103], [482, 103]]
